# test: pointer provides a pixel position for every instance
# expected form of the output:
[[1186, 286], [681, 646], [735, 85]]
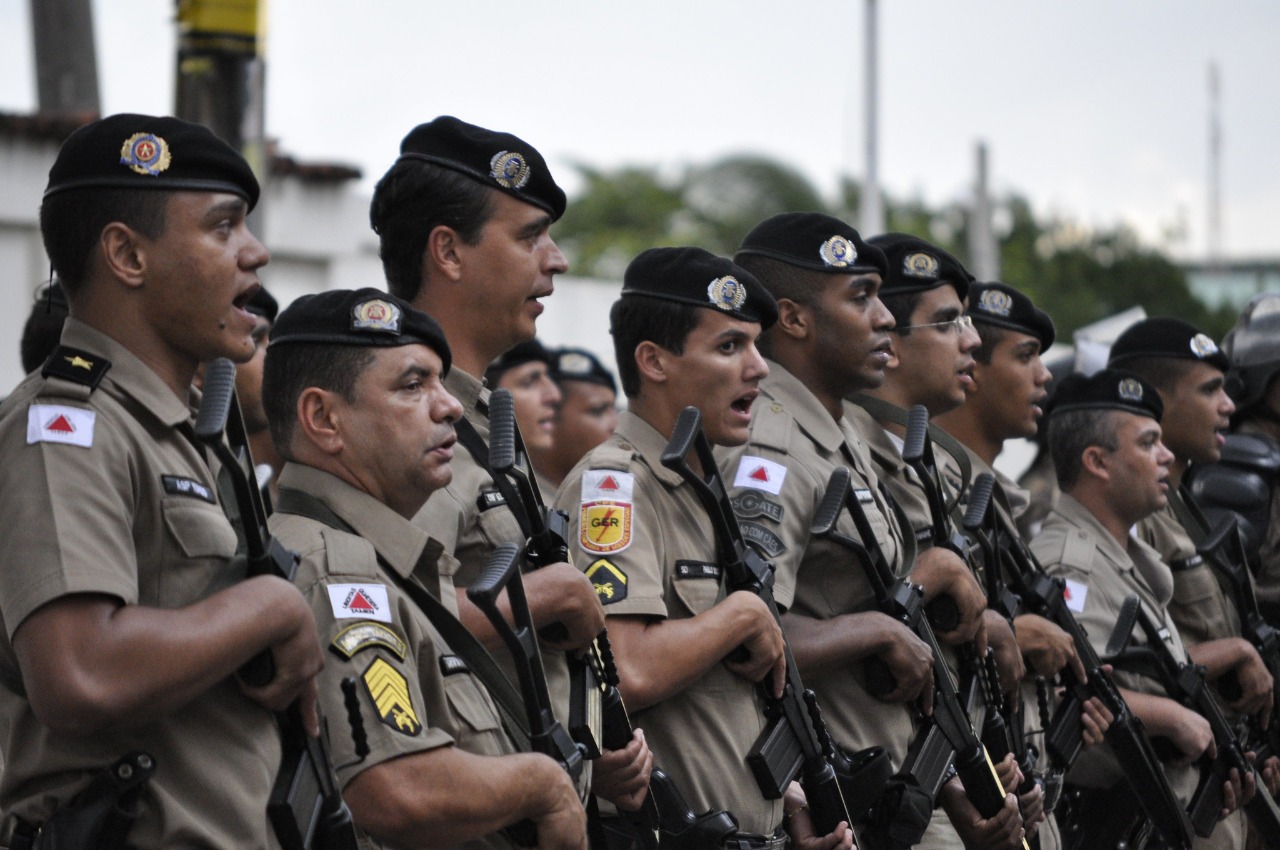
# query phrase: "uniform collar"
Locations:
[[472, 394], [1078, 515], [883, 451], [397, 540], [129, 374], [650, 443], [782, 387]]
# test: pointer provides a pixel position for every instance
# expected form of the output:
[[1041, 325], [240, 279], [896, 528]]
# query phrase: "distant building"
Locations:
[[1232, 282]]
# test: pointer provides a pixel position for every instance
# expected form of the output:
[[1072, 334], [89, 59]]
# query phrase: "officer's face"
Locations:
[[587, 417], [851, 333], [397, 433], [1198, 411], [200, 273], [719, 372], [1008, 391], [508, 270], [249, 381], [1138, 468], [935, 363], [535, 397]]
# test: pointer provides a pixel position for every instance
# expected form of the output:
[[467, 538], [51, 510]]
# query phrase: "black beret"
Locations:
[[498, 160], [1166, 337], [129, 151], [578, 364], [362, 317], [813, 241], [264, 304], [1110, 389], [698, 277], [917, 266], [1005, 307], [530, 351]]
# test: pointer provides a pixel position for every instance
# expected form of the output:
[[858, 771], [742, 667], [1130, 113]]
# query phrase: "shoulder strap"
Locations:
[[1189, 514], [881, 409], [461, 641], [475, 446]]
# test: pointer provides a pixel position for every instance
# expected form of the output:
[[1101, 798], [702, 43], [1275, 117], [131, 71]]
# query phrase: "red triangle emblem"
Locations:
[[1066, 592], [361, 603], [761, 474], [60, 424], [609, 483]]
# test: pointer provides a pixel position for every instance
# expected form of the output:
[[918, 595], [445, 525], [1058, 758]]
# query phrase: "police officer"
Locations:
[[1105, 436], [525, 372], [357, 404], [684, 330], [587, 414], [832, 339], [463, 218], [125, 618]]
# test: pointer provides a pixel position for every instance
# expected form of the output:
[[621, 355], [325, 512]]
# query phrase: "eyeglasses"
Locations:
[[959, 324]]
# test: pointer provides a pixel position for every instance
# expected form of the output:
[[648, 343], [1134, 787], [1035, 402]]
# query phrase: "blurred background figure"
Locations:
[[588, 411], [525, 370], [43, 328], [266, 461]]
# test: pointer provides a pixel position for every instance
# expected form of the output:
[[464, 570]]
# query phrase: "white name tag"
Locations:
[[54, 423], [360, 602]]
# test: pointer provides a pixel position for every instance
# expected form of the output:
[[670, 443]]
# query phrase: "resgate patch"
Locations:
[[609, 581], [605, 526], [360, 602], [361, 636], [390, 694]]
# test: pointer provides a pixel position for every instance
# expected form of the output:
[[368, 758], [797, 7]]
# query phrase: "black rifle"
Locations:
[[790, 746], [904, 809], [546, 735], [306, 806], [1038, 593], [1186, 683]]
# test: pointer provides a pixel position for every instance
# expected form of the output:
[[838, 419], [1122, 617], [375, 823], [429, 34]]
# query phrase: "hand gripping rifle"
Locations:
[[1186, 683], [903, 811], [546, 735], [1038, 593], [306, 807], [794, 743]]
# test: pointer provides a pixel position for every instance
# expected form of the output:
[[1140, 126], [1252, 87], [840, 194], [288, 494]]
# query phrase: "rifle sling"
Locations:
[[479, 451], [461, 641], [881, 409]]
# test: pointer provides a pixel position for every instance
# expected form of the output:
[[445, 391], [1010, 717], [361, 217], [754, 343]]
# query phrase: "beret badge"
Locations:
[[573, 363], [726, 293], [995, 302], [1130, 390], [1202, 346], [145, 153], [920, 265], [838, 251], [509, 169], [376, 315]]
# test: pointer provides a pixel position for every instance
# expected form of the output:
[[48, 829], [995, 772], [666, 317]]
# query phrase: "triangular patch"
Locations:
[[60, 424], [56, 423], [609, 483], [361, 604], [761, 474]]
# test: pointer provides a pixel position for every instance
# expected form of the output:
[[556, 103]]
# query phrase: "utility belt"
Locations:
[[97, 818]]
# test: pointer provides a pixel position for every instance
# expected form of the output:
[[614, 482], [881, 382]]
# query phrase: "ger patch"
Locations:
[[180, 485], [358, 637], [609, 581], [751, 504], [390, 694], [360, 602], [56, 423], [605, 526], [760, 474], [769, 543]]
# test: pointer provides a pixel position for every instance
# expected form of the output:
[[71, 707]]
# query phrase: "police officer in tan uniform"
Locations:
[[587, 414], [684, 330], [464, 218], [1188, 370], [357, 404], [525, 372], [1104, 433], [125, 617], [832, 339]]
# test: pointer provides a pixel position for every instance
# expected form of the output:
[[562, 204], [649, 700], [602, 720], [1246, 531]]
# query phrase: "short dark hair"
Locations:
[[1163, 373], [634, 320], [783, 280], [414, 198], [901, 306], [290, 369], [1073, 431], [71, 223], [991, 336]]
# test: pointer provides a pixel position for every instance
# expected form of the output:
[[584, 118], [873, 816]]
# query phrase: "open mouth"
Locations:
[[743, 404], [241, 301]]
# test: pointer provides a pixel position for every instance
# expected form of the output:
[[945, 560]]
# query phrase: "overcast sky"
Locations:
[[1096, 109]]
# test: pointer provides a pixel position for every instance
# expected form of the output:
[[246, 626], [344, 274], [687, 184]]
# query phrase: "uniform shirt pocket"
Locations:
[[200, 530], [697, 584], [470, 705]]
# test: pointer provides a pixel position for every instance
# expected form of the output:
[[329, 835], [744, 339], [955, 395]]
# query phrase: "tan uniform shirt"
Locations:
[[777, 481], [648, 547], [110, 498], [415, 693], [1100, 575]]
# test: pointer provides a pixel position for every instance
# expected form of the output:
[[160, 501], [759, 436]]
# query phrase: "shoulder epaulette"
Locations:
[[1079, 550], [79, 367], [612, 456], [771, 427]]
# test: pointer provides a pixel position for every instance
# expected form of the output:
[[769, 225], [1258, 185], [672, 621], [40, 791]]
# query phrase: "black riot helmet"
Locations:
[[1253, 347]]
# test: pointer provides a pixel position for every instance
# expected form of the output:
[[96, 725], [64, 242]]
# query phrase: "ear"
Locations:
[[443, 254], [1094, 461], [320, 419], [124, 252], [651, 361], [794, 320]]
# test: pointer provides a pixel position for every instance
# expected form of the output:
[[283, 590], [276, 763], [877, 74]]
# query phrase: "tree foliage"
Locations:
[[1076, 274]]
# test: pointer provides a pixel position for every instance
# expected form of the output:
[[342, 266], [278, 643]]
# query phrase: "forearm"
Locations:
[[1219, 656], [820, 645], [1161, 716]]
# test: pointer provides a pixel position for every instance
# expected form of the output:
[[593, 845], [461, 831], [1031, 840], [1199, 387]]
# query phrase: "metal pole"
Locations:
[[66, 59], [871, 216], [1215, 173], [984, 251]]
